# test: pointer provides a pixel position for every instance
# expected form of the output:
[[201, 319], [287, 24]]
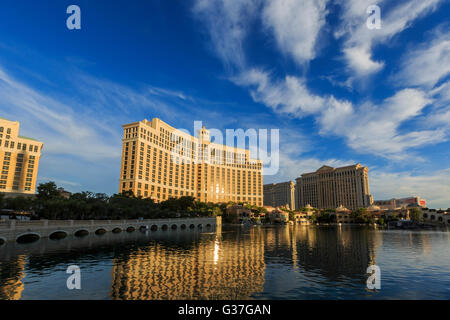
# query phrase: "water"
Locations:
[[232, 263]]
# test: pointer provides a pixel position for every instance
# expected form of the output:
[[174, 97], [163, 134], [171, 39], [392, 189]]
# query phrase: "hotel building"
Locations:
[[161, 162], [280, 195], [19, 157], [329, 188]]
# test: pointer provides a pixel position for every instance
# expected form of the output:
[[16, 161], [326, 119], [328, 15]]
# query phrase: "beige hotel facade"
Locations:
[[161, 162], [280, 195], [329, 188], [19, 159]]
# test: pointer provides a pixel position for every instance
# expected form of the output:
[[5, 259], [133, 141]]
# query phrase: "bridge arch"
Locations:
[[2, 241], [100, 231], [164, 227], [183, 226], [191, 226], [58, 234], [154, 227], [208, 225], [81, 233], [143, 228], [131, 229], [440, 219], [174, 227], [28, 237], [200, 226], [432, 217], [117, 230]]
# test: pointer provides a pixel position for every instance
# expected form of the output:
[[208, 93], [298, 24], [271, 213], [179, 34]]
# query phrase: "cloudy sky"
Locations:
[[339, 92]]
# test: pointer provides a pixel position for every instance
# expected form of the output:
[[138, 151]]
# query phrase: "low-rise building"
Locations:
[[276, 215], [301, 218], [64, 193], [436, 216], [239, 213], [395, 203]]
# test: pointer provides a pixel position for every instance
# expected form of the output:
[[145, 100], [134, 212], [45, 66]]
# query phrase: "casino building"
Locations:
[[329, 188], [160, 162]]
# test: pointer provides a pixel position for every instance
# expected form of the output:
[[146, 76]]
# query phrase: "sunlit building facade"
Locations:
[[161, 162], [329, 188], [280, 194], [19, 158]]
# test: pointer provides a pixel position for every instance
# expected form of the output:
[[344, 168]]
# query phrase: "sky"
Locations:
[[339, 92]]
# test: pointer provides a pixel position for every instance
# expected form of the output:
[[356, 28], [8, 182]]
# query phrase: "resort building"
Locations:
[[329, 188], [401, 203], [161, 162], [439, 216], [280, 195], [19, 158]]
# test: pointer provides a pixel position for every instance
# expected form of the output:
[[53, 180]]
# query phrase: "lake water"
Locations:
[[286, 262]]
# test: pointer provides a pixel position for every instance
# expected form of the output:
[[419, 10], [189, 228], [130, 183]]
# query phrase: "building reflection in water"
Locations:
[[229, 267], [229, 263], [11, 275], [332, 252]]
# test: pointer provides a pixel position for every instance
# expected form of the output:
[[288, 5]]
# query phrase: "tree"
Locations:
[[2, 200], [360, 216], [415, 214], [47, 191], [291, 216]]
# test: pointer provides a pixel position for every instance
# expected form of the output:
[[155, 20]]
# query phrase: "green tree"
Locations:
[[415, 214], [47, 191], [2, 200]]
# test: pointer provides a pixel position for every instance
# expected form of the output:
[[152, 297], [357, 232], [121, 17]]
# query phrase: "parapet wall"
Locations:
[[12, 230]]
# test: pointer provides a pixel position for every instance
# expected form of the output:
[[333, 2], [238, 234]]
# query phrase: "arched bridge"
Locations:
[[28, 231]]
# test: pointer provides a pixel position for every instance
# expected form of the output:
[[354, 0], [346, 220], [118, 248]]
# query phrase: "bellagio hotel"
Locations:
[[161, 162], [19, 158]]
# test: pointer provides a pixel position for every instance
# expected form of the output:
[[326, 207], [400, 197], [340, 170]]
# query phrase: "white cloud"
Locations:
[[375, 128], [59, 126], [434, 186], [289, 95], [228, 23], [359, 59], [360, 40], [296, 25], [367, 128], [426, 65]]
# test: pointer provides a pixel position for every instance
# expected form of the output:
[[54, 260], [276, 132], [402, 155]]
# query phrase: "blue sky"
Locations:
[[340, 93]]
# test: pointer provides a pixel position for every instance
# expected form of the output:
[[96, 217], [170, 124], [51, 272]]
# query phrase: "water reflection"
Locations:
[[230, 263], [216, 267]]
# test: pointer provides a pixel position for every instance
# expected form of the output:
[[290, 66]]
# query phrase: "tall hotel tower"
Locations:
[[19, 158], [329, 188], [161, 162]]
